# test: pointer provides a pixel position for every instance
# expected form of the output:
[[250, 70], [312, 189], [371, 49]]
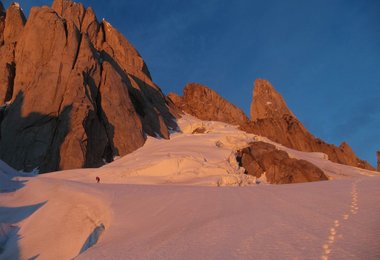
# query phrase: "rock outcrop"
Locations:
[[378, 161], [14, 23], [273, 119], [78, 93], [11, 24], [74, 92], [204, 103], [263, 158], [270, 117], [267, 102]]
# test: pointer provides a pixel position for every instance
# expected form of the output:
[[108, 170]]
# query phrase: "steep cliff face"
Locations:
[[74, 92], [204, 103], [12, 23], [80, 94], [272, 118], [267, 102]]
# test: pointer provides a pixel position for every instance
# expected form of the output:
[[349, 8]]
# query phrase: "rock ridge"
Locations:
[[75, 92], [206, 104], [270, 117]]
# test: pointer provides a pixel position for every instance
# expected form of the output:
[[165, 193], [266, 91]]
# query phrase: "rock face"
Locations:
[[78, 93], [204, 103], [260, 158], [74, 92], [267, 102], [272, 118], [378, 161], [11, 24], [14, 23]]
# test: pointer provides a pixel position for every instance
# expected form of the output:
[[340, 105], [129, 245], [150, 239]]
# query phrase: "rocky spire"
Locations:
[[81, 94], [267, 102], [2, 23], [14, 23], [378, 161], [273, 119], [124, 52], [70, 11], [11, 25]]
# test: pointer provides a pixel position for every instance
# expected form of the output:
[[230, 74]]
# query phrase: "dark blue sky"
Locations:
[[323, 56]]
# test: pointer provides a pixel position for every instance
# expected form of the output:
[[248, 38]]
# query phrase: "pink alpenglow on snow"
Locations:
[[75, 93], [180, 212]]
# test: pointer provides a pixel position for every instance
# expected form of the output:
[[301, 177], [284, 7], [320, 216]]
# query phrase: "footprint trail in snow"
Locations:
[[334, 234]]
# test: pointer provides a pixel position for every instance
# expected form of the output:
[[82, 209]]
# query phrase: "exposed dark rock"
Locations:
[[199, 130], [270, 118], [78, 94], [260, 158], [273, 119]]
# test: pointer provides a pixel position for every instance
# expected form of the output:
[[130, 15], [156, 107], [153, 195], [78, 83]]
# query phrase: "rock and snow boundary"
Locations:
[[202, 153], [63, 214], [188, 158]]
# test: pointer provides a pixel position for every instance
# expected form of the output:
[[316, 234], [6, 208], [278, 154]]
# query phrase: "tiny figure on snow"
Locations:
[[97, 179]]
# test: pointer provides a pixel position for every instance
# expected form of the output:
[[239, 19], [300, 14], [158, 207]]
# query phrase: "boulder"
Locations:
[[270, 117], [260, 158]]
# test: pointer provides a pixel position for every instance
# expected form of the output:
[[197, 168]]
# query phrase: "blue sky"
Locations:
[[323, 56]]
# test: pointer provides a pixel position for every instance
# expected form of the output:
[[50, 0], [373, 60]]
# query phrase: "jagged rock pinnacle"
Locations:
[[78, 95], [273, 119], [14, 23], [267, 102]]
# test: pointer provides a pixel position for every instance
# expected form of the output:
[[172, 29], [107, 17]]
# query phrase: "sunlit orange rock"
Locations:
[[81, 93]]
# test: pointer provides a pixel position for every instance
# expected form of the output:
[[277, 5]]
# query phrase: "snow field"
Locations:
[[157, 203]]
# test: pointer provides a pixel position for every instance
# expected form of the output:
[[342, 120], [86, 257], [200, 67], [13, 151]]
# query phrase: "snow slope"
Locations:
[[201, 159], [179, 213]]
